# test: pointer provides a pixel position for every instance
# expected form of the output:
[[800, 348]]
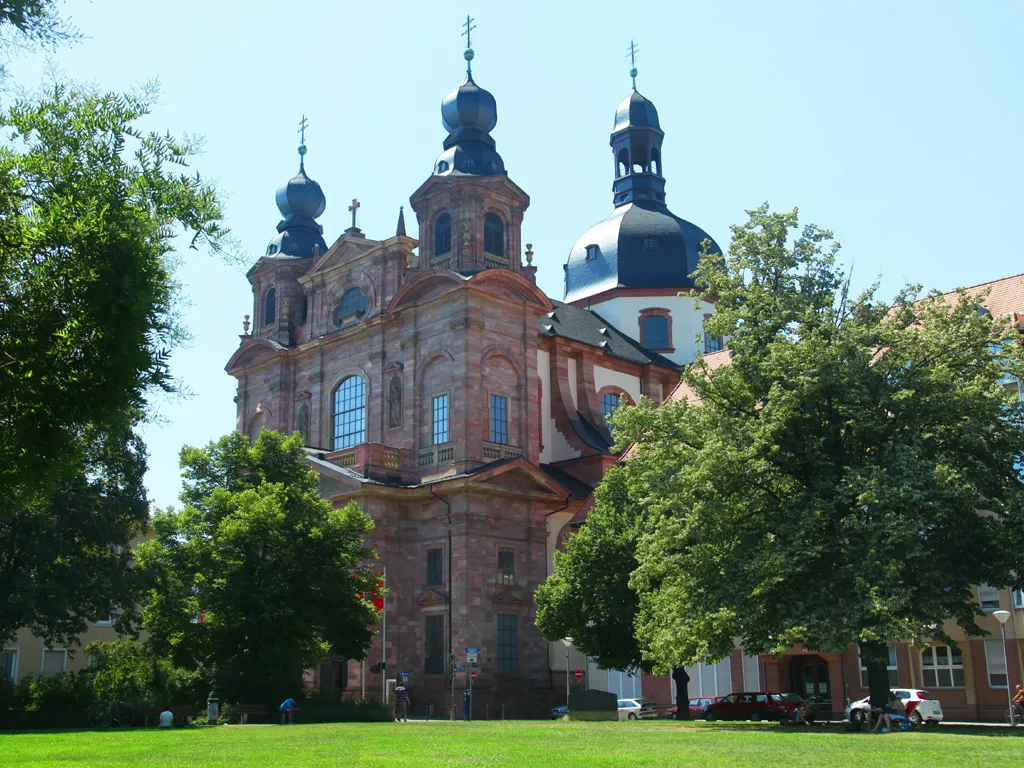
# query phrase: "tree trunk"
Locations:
[[682, 681], [875, 658]]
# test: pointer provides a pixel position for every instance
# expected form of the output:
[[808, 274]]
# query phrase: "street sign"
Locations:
[[579, 675], [472, 674], [590, 659], [471, 654], [405, 675], [462, 667]]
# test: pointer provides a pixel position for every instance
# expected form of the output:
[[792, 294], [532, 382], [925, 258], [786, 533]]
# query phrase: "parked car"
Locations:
[[559, 712], [637, 709], [921, 707], [698, 706], [755, 705]]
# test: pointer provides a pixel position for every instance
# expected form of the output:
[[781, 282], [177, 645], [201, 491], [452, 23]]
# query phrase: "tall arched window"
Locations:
[[609, 402], [655, 161], [494, 235], [443, 234], [270, 307], [349, 413], [622, 164]]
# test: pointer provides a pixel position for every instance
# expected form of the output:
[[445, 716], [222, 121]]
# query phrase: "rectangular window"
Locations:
[[506, 566], [891, 667], [1018, 598], [995, 661], [54, 661], [650, 242], [8, 664], [435, 566], [433, 647], [988, 598], [712, 343], [439, 419], [508, 646], [499, 419], [655, 332], [942, 666]]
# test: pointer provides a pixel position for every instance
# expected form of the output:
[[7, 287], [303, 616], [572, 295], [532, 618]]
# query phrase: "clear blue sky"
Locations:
[[897, 125]]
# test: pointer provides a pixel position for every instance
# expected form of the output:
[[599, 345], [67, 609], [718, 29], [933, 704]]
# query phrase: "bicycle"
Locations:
[[121, 714], [1018, 715]]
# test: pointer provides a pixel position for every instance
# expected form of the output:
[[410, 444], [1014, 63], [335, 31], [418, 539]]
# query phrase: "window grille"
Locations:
[[508, 645], [891, 667], [435, 566], [506, 566], [942, 666], [609, 402], [439, 419], [349, 413], [499, 419]]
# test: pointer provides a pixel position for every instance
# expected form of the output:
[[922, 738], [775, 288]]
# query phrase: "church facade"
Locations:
[[462, 408]]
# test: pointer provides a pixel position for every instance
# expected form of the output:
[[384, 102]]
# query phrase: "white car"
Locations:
[[637, 709], [921, 706]]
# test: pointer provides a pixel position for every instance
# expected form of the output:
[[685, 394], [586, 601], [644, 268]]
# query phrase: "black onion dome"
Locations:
[[635, 111], [640, 245], [301, 196], [469, 106]]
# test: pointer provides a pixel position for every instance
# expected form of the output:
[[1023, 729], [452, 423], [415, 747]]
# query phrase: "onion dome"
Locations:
[[300, 201], [469, 114], [635, 111]]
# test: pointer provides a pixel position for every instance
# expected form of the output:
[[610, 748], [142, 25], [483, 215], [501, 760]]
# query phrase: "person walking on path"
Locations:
[[402, 701], [287, 710]]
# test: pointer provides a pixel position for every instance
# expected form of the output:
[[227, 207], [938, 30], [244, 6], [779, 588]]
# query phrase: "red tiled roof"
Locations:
[[1005, 296], [684, 392]]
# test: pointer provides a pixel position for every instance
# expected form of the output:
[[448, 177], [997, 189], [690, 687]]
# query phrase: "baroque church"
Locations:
[[463, 409]]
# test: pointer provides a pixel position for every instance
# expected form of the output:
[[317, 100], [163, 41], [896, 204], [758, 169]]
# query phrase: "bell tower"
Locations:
[[470, 213]]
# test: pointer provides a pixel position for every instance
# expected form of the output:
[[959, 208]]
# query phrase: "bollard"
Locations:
[[487, 713], [502, 711]]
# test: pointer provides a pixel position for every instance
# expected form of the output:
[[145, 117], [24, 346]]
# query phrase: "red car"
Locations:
[[697, 707], [758, 705]]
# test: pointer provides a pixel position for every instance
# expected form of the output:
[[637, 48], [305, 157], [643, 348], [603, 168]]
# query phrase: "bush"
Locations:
[[57, 701], [330, 709]]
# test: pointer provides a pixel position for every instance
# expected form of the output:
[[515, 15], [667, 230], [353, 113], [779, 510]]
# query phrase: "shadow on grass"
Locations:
[[990, 731]]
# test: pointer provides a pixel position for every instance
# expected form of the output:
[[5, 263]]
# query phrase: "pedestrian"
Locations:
[[287, 710], [402, 702], [891, 708], [166, 719]]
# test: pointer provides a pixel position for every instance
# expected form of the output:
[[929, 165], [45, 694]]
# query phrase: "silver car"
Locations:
[[637, 709]]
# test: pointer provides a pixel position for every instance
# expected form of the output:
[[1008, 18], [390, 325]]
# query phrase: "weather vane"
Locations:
[[633, 48], [468, 55], [302, 141]]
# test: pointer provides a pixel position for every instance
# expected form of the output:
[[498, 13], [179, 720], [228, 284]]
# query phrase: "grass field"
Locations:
[[532, 744]]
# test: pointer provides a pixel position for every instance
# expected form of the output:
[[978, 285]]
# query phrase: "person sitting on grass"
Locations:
[[287, 710], [166, 719], [892, 707]]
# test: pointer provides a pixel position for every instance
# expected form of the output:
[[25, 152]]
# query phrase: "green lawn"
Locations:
[[532, 744]]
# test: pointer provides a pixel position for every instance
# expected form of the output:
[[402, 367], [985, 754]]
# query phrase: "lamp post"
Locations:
[[1001, 617], [567, 642]]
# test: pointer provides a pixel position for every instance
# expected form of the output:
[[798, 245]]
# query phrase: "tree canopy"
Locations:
[[90, 207], [257, 577], [824, 487]]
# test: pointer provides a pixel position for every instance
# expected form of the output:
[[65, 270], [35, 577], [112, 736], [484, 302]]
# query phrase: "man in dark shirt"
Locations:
[[401, 702]]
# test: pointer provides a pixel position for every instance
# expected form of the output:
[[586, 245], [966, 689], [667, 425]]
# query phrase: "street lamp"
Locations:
[[1001, 617], [568, 642]]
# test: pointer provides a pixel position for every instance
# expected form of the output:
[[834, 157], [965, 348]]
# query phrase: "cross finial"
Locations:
[[302, 142], [354, 207], [631, 53], [468, 55]]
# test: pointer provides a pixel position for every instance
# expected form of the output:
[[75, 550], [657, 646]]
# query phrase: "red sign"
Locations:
[[579, 675], [472, 674]]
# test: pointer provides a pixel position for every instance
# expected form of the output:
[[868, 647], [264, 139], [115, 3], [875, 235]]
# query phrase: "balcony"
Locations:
[[374, 460], [436, 455], [496, 451]]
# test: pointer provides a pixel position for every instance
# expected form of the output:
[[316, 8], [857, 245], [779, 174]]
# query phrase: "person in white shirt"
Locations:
[[166, 719]]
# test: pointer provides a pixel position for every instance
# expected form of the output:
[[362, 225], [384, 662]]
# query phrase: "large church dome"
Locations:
[[640, 245]]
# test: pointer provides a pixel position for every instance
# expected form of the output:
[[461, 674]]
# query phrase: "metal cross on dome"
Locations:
[[631, 53], [302, 129], [470, 26]]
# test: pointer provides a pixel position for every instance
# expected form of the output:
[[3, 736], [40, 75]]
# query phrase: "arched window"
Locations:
[[349, 413], [494, 235], [655, 161], [270, 307], [443, 234], [622, 164], [351, 309], [639, 159], [654, 332], [609, 402]]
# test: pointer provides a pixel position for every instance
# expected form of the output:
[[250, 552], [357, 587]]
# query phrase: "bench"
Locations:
[[244, 710], [152, 714]]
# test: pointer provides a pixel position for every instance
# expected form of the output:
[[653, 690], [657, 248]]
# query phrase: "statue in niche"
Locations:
[[303, 424], [395, 403]]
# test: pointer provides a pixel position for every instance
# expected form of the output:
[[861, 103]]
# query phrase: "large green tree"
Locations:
[[826, 489], [257, 577], [90, 207], [588, 597]]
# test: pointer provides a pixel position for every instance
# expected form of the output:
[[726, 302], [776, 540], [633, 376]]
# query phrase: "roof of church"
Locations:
[[577, 488], [1005, 295], [588, 327]]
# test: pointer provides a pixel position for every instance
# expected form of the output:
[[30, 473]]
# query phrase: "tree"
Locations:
[[826, 489], [89, 210], [588, 597], [257, 577]]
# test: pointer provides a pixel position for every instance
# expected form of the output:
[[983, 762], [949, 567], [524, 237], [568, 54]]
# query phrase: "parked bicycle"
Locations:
[[121, 714]]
